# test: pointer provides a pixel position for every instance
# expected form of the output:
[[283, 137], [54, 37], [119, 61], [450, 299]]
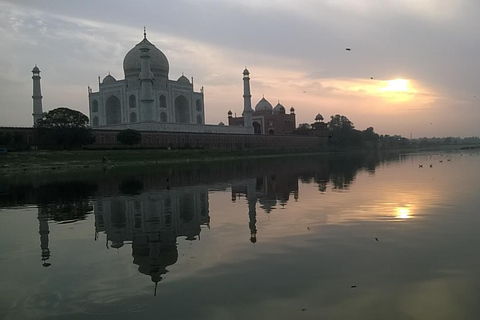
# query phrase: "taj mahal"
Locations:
[[172, 114], [148, 100]]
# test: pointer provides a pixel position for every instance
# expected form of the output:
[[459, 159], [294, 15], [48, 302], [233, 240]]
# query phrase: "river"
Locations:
[[345, 236]]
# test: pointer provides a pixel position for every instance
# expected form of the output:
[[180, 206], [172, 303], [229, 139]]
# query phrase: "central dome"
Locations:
[[263, 105], [132, 64]]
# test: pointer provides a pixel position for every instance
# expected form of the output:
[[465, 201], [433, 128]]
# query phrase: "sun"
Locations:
[[397, 85]]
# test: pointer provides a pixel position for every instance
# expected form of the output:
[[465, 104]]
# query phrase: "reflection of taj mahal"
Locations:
[[151, 223]]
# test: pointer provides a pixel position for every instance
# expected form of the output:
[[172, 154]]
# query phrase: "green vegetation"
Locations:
[[63, 127], [77, 159], [129, 137]]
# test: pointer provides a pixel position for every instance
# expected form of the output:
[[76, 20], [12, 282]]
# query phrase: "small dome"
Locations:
[[229, 112], [245, 72], [292, 110], [279, 109], [132, 63], [263, 105], [221, 124], [35, 69], [319, 117], [109, 80], [183, 79]]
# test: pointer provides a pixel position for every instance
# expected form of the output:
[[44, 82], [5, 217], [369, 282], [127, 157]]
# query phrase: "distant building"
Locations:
[[265, 119]]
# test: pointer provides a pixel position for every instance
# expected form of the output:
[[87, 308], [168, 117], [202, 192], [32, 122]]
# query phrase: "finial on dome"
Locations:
[[144, 33]]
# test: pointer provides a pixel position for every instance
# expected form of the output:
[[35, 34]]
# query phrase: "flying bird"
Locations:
[[371, 78], [348, 49]]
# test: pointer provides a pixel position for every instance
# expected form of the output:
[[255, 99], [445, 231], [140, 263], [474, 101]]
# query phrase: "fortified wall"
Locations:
[[105, 139]]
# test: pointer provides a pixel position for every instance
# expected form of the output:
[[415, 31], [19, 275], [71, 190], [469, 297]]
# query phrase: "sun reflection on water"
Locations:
[[403, 212]]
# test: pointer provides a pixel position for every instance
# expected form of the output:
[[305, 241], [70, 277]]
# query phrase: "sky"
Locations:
[[412, 68]]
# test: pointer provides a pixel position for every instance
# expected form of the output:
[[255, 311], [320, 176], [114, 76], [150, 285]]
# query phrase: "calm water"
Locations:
[[324, 237]]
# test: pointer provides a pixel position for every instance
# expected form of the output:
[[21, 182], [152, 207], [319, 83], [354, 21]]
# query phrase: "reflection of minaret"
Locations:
[[37, 96], [252, 213], [44, 231]]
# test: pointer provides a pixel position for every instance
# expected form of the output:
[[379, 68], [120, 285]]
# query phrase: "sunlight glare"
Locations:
[[403, 213], [397, 85]]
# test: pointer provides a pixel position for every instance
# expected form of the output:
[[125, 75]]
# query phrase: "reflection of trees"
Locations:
[[70, 201], [131, 186], [70, 211]]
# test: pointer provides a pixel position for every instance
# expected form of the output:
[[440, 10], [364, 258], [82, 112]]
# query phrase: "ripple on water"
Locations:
[[115, 302]]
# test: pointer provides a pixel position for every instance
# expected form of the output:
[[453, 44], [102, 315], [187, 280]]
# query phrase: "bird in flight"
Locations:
[[348, 49]]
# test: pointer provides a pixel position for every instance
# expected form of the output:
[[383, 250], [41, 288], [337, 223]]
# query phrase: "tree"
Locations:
[[129, 137], [65, 127], [339, 122], [304, 126], [369, 135], [342, 132]]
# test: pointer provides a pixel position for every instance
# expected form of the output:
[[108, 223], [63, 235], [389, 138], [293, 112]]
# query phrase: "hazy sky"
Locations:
[[295, 51]]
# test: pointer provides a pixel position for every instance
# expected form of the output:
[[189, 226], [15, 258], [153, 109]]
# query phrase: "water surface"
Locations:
[[318, 237]]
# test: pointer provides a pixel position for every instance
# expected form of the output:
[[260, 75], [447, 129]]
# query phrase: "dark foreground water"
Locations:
[[325, 237]]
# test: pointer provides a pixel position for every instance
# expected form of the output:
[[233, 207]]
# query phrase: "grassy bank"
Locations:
[[34, 161], [77, 160]]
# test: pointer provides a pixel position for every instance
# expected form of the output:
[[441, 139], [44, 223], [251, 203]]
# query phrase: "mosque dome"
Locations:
[[35, 69], [158, 61], [109, 80], [292, 110], [183, 79], [279, 109], [263, 105], [245, 72], [319, 117]]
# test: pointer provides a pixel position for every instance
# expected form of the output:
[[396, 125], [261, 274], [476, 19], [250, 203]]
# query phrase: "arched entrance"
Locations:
[[182, 114], [257, 128], [271, 131], [113, 111], [95, 121], [163, 117], [133, 117]]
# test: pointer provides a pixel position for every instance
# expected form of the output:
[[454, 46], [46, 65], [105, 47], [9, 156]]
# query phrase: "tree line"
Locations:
[[342, 133]]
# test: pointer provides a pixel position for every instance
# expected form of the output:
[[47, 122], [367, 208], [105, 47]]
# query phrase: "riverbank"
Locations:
[[42, 161]]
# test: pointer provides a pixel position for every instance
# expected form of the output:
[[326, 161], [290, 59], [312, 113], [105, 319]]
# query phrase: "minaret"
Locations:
[[247, 100], [37, 96], [146, 84]]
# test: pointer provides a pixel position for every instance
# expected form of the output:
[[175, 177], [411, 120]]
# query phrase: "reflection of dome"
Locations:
[[109, 80], [183, 79], [319, 117], [154, 265], [263, 105], [158, 61], [279, 108]]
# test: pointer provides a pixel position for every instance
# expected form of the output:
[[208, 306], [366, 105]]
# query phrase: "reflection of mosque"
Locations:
[[151, 223], [268, 191]]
